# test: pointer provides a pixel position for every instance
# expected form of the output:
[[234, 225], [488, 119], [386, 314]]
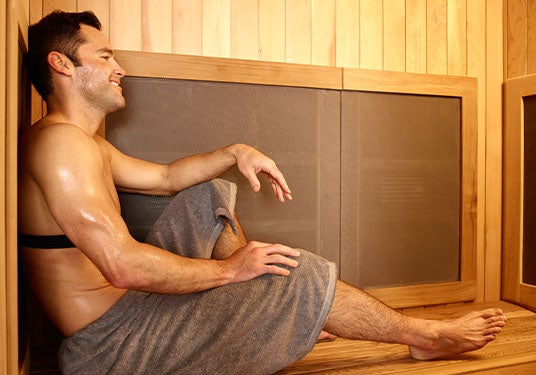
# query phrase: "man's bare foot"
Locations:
[[452, 337]]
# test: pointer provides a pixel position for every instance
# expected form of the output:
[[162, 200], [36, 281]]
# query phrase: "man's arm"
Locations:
[[134, 175], [75, 180]]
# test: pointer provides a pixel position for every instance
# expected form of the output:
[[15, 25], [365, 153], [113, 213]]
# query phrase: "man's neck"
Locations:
[[87, 119]]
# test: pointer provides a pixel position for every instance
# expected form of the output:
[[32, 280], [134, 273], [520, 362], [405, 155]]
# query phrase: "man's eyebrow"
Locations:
[[105, 50]]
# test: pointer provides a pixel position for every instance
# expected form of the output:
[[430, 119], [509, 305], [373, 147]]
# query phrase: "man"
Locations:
[[212, 302]]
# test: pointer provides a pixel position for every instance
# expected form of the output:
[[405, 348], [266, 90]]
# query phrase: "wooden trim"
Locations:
[[426, 294], [527, 295], [466, 89], [3, 265], [514, 91], [142, 64], [408, 83]]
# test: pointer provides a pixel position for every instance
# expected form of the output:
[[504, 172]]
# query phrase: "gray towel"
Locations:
[[255, 327]]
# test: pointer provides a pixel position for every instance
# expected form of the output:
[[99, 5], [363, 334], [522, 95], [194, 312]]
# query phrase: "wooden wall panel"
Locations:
[[125, 24], [272, 30], [156, 36], [436, 41], [245, 29], [370, 33], [531, 37], [415, 36], [394, 35], [457, 37], [323, 27], [216, 28], [187, 30], [298, 31], [516, 38], [101, 8], [347, 33]]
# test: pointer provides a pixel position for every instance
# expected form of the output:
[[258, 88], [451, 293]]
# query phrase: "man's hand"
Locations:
[[250, 162], [258, 258]]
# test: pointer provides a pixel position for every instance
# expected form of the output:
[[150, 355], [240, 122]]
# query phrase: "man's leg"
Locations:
[[357, 315], [228, 241]]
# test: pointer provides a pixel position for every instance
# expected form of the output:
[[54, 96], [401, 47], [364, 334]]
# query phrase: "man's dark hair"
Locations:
[[60, 32]]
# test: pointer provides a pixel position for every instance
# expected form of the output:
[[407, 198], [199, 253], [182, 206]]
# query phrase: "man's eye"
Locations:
[[106, 57]]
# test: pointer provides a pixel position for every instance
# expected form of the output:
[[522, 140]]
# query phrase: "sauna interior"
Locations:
[[406, 129]]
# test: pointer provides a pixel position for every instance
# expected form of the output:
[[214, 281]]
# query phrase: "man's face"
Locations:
[[98, 77]]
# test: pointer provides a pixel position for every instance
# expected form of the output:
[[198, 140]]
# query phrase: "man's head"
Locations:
[[60, 32]]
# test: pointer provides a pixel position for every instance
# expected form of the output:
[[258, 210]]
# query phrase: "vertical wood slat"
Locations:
[[187, 27], [347, 33], [216, 28], [516, 38], [323, 39], [371, 38], [415, 36], [37, 110], [298, 31], [490, 92], [12, 99], [156, 36], [3, 262], [125, 24], [272, 30], [394, 35], [436, 43], [457, 37], [531, 37], [245, 29], [65, 5], [101, 8]]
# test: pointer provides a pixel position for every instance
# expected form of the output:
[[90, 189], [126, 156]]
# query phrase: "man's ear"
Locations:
[[60, 63]]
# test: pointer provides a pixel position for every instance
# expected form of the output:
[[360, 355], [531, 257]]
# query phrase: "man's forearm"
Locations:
[[191, 170]]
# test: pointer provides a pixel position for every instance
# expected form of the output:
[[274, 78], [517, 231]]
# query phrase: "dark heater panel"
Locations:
[[401, 170]]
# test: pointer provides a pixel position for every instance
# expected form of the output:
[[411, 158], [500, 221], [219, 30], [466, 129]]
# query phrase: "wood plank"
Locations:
[[216, 28], [516, 38], [457, 37], [245, 29], [394, 35], [410, 83], [491, 85], [323, 41], [272, 30], [3, 262], [125, 24], [64, 5], [371, 34], [187, 27], [156, 26], [531, 37], [476, 53], [228, 70], [436, 37], [347, 33], [415, 36], [101, 8], [426, 294], [298, 31], [37, 105]]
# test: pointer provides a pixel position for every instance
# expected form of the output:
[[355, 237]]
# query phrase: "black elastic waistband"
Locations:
[[59, 241]]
